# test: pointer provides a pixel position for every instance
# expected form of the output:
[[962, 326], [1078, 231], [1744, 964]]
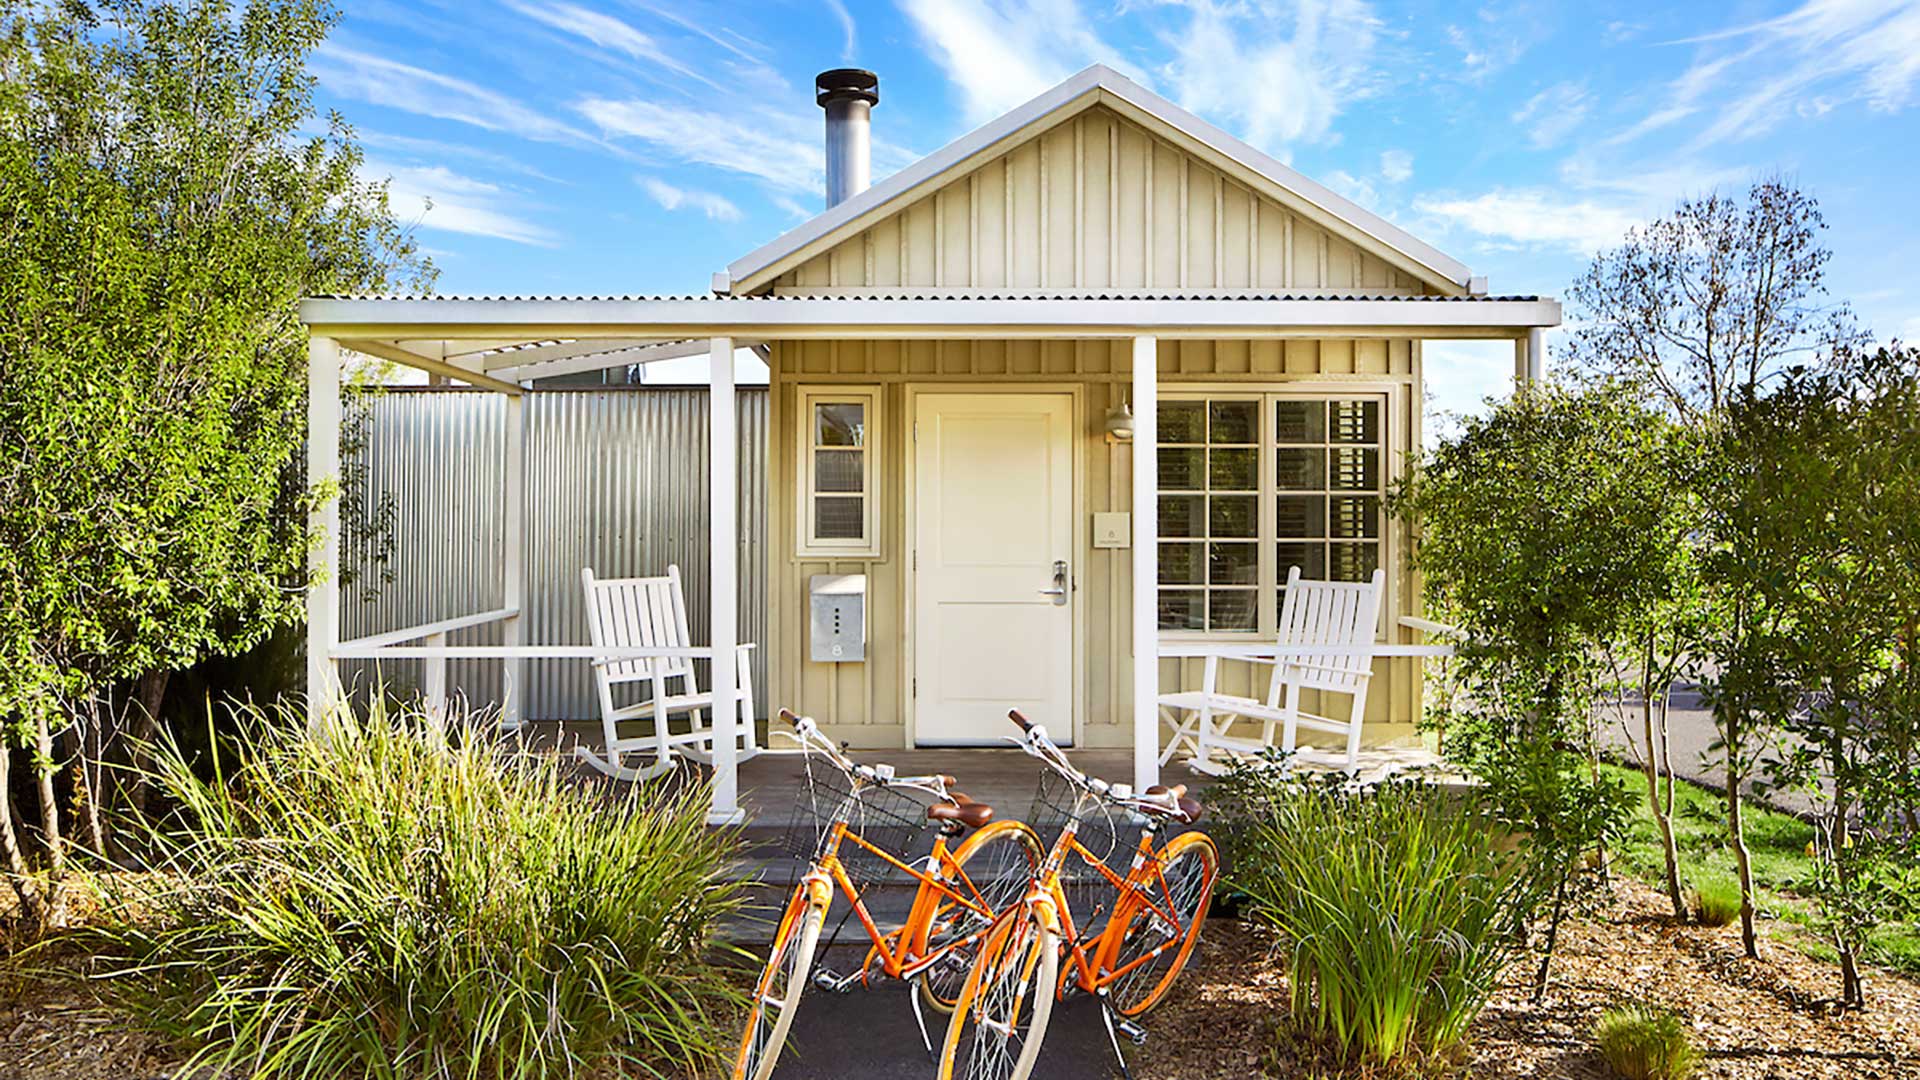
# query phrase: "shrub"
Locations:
[[1716, 902], [1641, 1043], [1397, 906], [384, 902]]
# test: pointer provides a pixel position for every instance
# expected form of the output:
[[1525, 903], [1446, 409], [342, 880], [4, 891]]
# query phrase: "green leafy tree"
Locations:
[[1826, 504], [1544, 530], [163, 206], [1698, 310]]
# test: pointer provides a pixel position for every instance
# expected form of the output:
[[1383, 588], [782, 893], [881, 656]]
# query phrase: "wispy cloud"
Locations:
[[1001, 53], [379, 81], [762, 143], [841, 13], [1353, 187], [1536, 217], [1826, 53], [1396, 166], [715, 206], [607, 32], [438, 198], [1553, 114], [1277, 72]]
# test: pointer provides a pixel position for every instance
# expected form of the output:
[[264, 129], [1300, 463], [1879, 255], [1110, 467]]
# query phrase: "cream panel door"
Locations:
[[993, 503]]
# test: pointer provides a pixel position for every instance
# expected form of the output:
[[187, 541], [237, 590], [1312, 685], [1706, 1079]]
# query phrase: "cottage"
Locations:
[[1079, 388]]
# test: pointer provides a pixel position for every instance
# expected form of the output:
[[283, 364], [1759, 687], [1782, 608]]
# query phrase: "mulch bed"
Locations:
[[1770, 1019]]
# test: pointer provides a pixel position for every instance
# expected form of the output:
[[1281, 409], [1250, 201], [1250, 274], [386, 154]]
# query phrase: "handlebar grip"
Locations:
[[1014, 715], [789, 716]]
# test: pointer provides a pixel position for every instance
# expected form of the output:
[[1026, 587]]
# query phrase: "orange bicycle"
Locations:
[[858, 828], [1159, 894]]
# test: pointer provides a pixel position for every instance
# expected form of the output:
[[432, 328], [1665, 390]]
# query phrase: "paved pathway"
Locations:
[[870, 1034]]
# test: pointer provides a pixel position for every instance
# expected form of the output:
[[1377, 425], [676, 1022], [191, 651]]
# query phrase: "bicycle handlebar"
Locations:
[[1038, 745], [810, 737]]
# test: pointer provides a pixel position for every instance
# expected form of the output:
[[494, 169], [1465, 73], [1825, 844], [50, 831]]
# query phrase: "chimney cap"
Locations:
[[844, 83]]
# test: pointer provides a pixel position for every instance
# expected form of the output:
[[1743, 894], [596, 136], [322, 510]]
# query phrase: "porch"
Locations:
[[503, 345]]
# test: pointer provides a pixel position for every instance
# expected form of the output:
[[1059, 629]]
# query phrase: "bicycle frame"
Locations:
[[1086, 957]]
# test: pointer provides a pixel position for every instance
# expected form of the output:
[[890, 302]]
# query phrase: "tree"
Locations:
[[1543, 530], [162, 211], [1828, 545], [1699, 309]]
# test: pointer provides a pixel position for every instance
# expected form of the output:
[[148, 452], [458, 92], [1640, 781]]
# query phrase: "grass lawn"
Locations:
[[1778, 843]]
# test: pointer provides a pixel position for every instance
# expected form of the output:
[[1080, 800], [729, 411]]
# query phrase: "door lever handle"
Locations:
[[1059, 590]]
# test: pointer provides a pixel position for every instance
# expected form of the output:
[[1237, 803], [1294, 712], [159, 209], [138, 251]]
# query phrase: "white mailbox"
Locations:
[[839, 617]]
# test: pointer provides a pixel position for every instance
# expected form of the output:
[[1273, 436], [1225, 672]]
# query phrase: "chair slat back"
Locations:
[[1342, 614], [643, 612]]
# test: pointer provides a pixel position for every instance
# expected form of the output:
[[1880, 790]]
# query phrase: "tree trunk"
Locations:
[[1661, 813], [46, 768], [1743, 863], [1553, 938], [87, 789], [150, 692], [17, 876]]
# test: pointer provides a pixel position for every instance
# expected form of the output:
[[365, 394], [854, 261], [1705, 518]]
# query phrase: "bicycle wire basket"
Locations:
[[1109, 833], [890, 819]]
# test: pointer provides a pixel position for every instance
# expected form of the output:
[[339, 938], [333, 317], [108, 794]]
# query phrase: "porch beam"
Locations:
[[528, 355], [796, 318], [723, 592], [1146, 576], [387, 350], [602, 358], [323, 562]]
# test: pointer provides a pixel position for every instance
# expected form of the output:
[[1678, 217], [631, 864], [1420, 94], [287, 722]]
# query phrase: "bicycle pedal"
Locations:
[[831, 981], [1134, 1032]]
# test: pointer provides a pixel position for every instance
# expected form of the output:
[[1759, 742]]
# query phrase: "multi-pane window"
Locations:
[[1315, 463], [837, 456]]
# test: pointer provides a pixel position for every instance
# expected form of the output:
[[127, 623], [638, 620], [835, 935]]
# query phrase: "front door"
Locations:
[[993, 565]]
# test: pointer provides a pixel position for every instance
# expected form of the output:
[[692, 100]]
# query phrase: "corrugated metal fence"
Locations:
[[616, 480]]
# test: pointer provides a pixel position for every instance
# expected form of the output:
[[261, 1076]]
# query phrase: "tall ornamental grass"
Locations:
[[1397, 908], [383, 902]]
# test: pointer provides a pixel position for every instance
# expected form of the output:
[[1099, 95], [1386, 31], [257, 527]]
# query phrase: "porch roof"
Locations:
[[497, 341]]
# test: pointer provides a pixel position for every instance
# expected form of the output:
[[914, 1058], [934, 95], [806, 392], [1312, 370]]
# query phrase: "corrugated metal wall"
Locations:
[[616, 480]]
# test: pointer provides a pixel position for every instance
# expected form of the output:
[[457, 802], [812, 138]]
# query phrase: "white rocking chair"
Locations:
[[643, 613], [1338, 619]]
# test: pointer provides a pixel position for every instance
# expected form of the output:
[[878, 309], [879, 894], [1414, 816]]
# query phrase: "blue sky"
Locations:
[[609, 146]]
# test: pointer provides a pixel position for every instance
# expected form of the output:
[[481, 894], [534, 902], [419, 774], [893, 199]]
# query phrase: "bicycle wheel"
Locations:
[[1188, 867], [999, 860], [1001, 1016], [777, 994]]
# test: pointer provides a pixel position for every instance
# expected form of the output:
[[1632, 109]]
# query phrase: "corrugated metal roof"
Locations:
[[1115, 294]]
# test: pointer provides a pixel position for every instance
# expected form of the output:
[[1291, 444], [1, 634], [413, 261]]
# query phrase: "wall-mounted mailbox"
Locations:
[[839, 617]]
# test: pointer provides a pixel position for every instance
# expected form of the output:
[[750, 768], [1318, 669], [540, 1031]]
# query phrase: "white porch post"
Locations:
[[323, 464], [513, 682], [1146, 574], [1530, 357], [723, 583]]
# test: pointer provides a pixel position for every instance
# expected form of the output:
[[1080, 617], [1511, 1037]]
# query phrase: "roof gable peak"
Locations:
[[1097, 84]]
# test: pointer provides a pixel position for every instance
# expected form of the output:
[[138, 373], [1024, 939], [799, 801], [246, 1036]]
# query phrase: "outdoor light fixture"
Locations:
[[1120, 424]]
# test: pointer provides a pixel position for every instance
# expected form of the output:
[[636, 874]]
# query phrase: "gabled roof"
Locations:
[[1097, 85]]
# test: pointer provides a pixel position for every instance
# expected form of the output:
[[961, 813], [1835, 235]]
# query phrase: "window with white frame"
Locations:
[[1252, 484], [837, 459]]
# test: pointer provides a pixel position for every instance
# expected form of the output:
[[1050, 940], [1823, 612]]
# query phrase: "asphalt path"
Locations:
[[1690, 736], [869, 1034]]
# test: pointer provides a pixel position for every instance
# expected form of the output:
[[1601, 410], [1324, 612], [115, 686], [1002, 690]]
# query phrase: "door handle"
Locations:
[[1059, 590]]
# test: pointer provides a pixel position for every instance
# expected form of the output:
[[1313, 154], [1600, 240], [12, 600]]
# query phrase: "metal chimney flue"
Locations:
[[848, 95]]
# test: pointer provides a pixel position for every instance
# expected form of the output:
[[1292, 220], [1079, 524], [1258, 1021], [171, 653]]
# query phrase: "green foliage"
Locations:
[[163, 206], [1716, 901], [1641, 1043], [1817, 529], [1398, 906], [379, 902], [1546, 530]]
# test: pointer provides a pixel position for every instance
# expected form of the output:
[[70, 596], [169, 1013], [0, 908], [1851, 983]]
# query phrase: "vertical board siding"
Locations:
[[616, 480], [868, 702], [1097, 202]]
